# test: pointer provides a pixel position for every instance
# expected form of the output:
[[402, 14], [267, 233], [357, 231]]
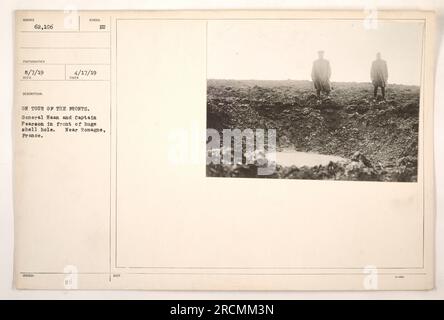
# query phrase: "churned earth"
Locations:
[[376, 140]]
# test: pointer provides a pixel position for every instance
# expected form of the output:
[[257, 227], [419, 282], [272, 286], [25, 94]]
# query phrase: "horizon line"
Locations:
[[306, 80]]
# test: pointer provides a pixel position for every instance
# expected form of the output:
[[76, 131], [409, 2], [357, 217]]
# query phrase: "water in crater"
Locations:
[[288, 158], [291, 157]]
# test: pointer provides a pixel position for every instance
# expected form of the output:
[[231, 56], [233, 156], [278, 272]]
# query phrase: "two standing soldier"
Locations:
[[321, 72]]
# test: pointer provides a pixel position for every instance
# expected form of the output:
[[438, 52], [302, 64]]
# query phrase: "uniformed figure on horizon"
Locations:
[[320, 74], [379, 75]]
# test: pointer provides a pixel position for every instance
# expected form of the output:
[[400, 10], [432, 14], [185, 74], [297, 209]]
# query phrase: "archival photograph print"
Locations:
[[314, 99]]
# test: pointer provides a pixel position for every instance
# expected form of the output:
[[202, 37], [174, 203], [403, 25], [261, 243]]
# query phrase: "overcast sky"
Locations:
[[286, 49]]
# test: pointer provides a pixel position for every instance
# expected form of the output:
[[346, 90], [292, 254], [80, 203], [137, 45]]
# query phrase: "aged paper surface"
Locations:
[[112, 189]]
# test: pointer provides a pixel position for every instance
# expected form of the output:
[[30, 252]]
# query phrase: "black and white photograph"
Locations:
[[314, 99]]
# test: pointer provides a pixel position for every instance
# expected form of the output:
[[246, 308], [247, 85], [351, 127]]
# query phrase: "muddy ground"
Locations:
[[379, 139]]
